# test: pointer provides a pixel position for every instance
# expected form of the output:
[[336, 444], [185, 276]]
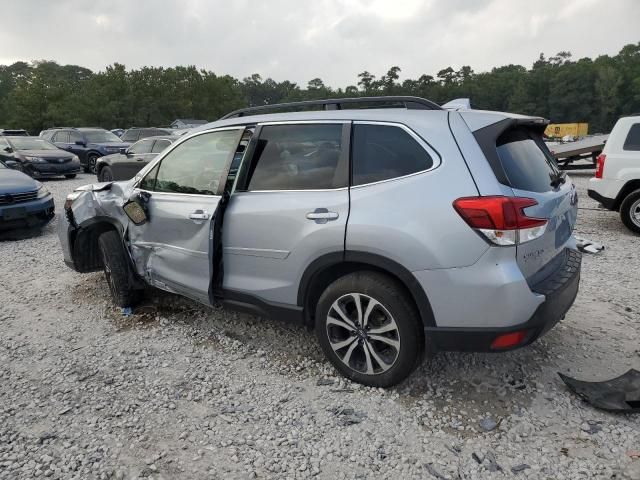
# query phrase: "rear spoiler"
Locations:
[[458, 104]]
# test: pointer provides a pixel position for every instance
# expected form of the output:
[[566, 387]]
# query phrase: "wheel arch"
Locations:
[[327, 268], [86, 254], [628, 187]]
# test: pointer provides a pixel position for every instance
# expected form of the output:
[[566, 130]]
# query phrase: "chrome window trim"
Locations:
[[293, 191], [303, 122], [433, 153], [175, 193]]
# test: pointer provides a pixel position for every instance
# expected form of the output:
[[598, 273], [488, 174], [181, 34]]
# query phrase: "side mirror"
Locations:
[[81, 143], [136, 208], [125, 151], [11, 164], [8, 149]]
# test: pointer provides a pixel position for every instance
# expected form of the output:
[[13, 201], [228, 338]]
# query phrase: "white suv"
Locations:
[[617, 182]]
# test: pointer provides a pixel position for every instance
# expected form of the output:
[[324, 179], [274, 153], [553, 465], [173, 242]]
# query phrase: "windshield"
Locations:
[[29, 143], [97, 136]]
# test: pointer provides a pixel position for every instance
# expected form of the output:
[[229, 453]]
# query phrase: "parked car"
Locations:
[[88, 144], [14, 132], [37, 157], [616, 184], [123, 166], [135, 134], [390, 231], [24, 202]]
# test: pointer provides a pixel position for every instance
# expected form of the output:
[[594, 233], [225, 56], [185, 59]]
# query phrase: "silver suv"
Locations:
[[394, 231]]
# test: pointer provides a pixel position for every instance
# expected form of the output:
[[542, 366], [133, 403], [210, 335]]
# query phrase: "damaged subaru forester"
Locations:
[[394, 230]]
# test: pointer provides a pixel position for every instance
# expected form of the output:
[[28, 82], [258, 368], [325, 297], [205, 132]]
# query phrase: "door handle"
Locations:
[[199, 215], [322, 215]]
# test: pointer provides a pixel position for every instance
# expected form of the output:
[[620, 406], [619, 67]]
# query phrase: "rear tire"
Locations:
[[117, 270], [377, 343], [70, 175], [105, 175], [630, 211]]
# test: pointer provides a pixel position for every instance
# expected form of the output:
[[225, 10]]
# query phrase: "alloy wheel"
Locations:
[[634, 212], [363, 334]]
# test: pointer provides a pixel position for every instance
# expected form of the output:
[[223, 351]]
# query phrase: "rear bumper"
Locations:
[[33, 214], [560, 290], [608, 203]]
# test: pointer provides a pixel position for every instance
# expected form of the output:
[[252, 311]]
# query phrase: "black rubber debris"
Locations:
[[620, 394]]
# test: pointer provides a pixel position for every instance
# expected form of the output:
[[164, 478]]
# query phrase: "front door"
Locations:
[[173, 248]]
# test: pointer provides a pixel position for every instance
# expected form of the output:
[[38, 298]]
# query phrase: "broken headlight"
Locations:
[[71, 198]]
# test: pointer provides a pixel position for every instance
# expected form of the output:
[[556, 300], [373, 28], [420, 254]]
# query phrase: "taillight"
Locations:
[[600, 165], [501, 219]]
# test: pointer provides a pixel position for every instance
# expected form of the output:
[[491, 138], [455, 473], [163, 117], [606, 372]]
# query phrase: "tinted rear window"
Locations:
[[526, 161], [382, 152], [633, 138]]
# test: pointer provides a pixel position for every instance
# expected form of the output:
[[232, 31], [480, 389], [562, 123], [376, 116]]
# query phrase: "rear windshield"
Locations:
[[527, 162]]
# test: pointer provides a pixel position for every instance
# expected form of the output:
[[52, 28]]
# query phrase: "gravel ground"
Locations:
[[183, 391]]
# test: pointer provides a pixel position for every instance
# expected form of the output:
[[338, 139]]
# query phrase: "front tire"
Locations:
[[116, 270], [369, 329], [105, 175], [630, 211]]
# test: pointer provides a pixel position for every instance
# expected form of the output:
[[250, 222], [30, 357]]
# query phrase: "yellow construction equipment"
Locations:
[[560, 130]]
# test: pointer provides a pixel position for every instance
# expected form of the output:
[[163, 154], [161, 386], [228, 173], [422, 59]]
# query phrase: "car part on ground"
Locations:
[[480, 212], [620, 394], [588, 246]]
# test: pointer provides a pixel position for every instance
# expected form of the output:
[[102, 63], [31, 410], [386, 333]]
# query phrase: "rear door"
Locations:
[[290, 206], [173, 248], [533, 173]]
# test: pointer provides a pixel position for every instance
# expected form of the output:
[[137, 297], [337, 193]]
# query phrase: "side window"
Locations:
[[61, 137], [632, 141], [160, 145], [143, 146], [75, 137], [298, 157], [382, 152], [149, 180], [130, 136], [196, 165]]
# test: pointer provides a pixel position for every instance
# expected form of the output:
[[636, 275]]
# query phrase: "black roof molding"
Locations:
[[411, 103]]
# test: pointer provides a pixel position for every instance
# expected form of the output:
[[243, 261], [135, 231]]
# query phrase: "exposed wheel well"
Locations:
[[86, 254], [315, 283], [626, 190]]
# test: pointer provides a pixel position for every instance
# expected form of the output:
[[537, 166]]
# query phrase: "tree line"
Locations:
[[42, 94]]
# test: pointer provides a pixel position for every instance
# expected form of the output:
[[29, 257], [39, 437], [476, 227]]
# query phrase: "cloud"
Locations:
[[330, 39]]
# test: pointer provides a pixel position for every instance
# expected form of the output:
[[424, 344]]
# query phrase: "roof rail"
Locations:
[[411, 103]]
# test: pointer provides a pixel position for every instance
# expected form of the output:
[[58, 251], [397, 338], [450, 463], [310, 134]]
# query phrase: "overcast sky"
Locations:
[[301, 39]]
